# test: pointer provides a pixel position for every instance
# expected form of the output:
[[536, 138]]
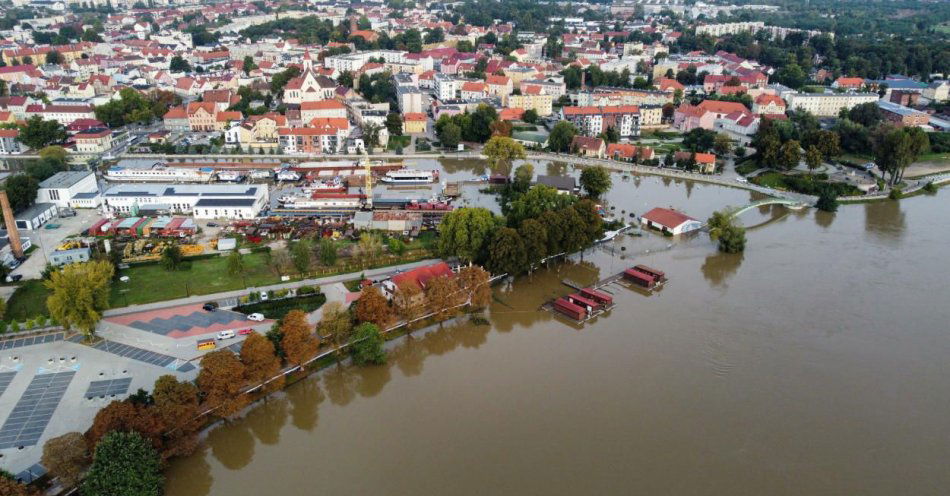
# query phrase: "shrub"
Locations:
[[827, 202], [895, 194], [930, 188], [15, 326]]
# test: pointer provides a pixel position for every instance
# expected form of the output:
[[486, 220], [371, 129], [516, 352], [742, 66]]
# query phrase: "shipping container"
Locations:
[[96, 229], [657, 274], [571, 310], [598, 296], [581, 301], [639, 278]]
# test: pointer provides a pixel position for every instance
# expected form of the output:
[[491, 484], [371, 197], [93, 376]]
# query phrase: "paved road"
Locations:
[[230, 296]]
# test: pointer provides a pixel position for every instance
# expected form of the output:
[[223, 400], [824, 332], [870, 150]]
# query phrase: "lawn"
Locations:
[[400, 141], [150, 282], [28, 301], [746, 167], [809, 185]]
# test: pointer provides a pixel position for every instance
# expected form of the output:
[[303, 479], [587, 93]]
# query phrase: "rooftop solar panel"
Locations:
[[33, 411]]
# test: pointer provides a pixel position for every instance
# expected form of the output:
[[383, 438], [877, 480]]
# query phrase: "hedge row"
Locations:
[[276, 309]]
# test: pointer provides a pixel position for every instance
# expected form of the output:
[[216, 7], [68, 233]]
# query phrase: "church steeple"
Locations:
[[307, 62]]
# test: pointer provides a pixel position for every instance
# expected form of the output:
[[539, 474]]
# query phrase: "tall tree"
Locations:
[[248, 64], [124, 463], [175, 404], [813, 157], [298, 342], [722, 228], [722, 144], [501, 152], [408, 301], [300, 253], [442, 296], [394, 124], [79, 293], [790, 155], [535, 238], [373, 307], [524, 174], [235, 262], [506, 254], [66, 457], [336, 324], [38, 133], [595, 180], [220, 381], [261, 362], [368, 345], [328, 252], [464, 233], [171, 257], [475, 283], [561, 136], [21, 191]]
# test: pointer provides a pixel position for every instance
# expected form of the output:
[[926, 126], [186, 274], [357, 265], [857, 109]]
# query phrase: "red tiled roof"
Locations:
[[422, 275], [666, 217]]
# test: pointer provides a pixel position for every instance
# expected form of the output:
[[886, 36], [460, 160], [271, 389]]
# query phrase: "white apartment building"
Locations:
[[410, 99], [828, 104], [61, 188]]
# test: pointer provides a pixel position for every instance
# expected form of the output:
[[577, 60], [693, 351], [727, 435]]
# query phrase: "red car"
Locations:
[[245, 332]]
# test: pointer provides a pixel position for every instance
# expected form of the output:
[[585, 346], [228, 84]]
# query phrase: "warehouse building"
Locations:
[[204, 201]]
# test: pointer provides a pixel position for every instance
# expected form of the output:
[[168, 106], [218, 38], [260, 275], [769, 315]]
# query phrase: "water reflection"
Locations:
[[409, 356], [232, 444], [824, 219], [719, 267], [556, 168], [340, 383], [885, 220], [305, 404], [193, 478], [372, 379], [268, 419]]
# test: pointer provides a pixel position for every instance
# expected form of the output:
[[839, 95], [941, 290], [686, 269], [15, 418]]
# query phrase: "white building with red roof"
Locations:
[[670, 221]]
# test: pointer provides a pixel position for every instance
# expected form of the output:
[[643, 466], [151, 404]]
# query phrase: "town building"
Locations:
[[61, 188], [828, 104], [205, 201], [591, 121], [902, 116], [670, 221]]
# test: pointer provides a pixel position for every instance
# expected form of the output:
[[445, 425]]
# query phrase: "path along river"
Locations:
[[815, 363]]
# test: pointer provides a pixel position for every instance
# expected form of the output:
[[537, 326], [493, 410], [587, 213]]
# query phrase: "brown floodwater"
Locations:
[[815, 363]]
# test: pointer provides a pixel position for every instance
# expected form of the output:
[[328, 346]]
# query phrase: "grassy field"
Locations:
[[27, 302], [398, 140], [802, 184], [150, 283]]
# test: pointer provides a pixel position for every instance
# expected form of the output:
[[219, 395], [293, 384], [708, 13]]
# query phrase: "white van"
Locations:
[[222, 335]]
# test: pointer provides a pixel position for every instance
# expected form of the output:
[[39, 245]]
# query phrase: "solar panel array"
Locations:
[[33, 411], [108, 387], [9, 344], [5, 379], [124, 350]]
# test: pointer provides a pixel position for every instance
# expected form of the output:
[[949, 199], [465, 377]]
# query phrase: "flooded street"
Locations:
[[815, 363]]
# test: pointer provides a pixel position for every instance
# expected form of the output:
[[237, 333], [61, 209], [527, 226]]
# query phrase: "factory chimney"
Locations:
[[15, 244]]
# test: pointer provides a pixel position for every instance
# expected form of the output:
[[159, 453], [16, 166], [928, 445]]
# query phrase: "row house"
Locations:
[[688, 117], [556, 89], [94, 141], [592, 121], [714, 83], [16, 105], [629, 152], [323, 136], [324, 109], [20, 74], [64, 114], [9, 142], [38, 54], [768, 104], [499, 86]]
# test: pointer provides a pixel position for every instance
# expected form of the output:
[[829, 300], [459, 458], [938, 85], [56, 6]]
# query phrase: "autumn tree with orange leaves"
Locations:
[[474, 282], [261, 362], [373, 307], [442, 297], [220, 382], [298, 342]]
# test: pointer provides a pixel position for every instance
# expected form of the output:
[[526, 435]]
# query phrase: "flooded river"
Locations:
[[815, 363]]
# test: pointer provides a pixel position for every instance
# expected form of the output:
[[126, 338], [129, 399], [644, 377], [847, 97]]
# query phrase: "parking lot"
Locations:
[[46, 240]]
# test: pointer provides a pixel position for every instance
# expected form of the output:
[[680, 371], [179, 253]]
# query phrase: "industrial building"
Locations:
[[204, 201]]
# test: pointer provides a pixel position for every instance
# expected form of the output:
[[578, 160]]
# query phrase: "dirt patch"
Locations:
[[927, 168]]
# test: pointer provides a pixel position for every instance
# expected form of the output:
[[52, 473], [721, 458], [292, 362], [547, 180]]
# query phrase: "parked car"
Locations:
[[741, 179], [264, 296], [212, 224], [14, 277], [256, 317], [245, 332], [210, 306], [222, 335]]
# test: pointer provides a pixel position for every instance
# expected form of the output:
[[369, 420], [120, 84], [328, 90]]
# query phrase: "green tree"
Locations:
[[171, 257], [336, 324], [501, 153], [328, 252], [789, 155], [722, 144], [235, 262], [465, 232], [767, 144], [535, 238], [506, 253], [450, 135], [813, 157], [827, 201], [530, 116], [21, 191], [38, 133], [394, 124], [896, 148], [367, 345], [300, 255], [371, 135], [534, 202], [79, 293], [595, 180], [867, 114], [281, 79], [561, 137], [396, 246], [124, 463], [730, 236], [248, 64], [54, 57], [524, 173], [54, 154], [179, 64]]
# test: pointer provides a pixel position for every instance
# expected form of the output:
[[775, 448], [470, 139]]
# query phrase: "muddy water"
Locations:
[[815, 363]]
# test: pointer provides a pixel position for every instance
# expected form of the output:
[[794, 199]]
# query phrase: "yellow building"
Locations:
[[539, 102], [651, 115], [414, 123]]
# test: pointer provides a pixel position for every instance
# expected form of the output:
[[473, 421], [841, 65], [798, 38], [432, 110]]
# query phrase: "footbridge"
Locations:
[[788, 202]]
